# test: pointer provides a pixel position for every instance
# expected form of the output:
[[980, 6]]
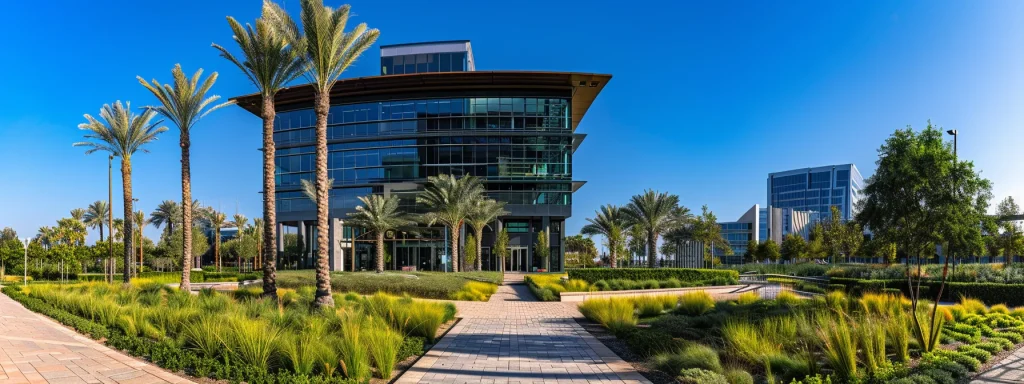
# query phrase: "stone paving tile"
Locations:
[[515, 339], [1008, 370], [35, 349]]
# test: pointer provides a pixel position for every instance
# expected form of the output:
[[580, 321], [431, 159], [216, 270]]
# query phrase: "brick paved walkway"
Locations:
[[35, 349], [1009, 370], [514, 339]]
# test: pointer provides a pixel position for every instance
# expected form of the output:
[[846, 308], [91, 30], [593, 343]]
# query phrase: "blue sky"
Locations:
[[707, 97]]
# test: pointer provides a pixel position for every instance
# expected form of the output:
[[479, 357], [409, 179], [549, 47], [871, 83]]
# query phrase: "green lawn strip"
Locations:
[[427, 285]]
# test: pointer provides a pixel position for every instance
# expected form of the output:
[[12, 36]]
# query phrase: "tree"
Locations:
[[609, 221], [470, 252], [922, 195], [655, 212], [750, 254], [78, 214], [122, 133], [816, 248], [709, 233], [140, 222], [543, 249], [216, 221], [833, 233], [327, 51], [483, 213], [184, 103], [579, 251], [793, 247], [8, 234], [257, 232], [96, 216], [853, 239], [501, 248], [172, 244], [11, 251], [768, 250], [167, 214], [450, 201], [886, 250], [1012, 238], [379, 214], [239, 221], [270, 63], [636, 242]]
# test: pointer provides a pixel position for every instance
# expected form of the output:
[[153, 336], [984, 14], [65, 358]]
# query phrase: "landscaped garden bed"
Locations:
[[243, 337], [548, 287], [472, 286], [832, 338]]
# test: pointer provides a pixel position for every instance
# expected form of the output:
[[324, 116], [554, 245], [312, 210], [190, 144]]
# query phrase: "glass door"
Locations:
[[517, 260]]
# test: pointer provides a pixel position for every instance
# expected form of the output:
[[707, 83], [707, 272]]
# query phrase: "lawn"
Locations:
[[549, 286], [832, 338], [243, 337], [474, 286]]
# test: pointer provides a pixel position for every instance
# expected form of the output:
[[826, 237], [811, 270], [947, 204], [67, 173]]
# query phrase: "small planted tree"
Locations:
[[769, 250], [793, 247], [543, 249], [501, 248]]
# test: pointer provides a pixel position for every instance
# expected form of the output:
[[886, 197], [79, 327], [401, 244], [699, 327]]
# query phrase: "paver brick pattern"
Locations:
[[1008, 370], [515, 339], [35, 349]]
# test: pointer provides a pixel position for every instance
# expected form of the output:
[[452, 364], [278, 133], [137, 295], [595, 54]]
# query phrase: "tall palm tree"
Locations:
[[122, 133], [270, 63], [379, 215], [655, 212], [484, 212], [78, 214], [216, 221], [166, 215], [257, 230], [239, 221], [117, 233], [46, 236], [450, 201], [609, 221], [326, 51], [140, 222], [96, 216], [184, 103]]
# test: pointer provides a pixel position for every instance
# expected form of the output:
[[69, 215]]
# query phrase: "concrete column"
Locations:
[[280, 237], [561, 245], [336, 253], [305, 245], [545, 224]]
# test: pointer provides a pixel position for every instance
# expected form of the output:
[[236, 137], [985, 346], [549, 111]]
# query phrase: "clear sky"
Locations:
[[707, 97]]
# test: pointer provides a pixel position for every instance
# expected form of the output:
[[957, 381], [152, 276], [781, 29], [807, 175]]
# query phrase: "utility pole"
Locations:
[[955, 160]]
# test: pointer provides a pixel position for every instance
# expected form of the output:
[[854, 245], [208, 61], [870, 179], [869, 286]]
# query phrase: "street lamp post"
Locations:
[[955, 160], [110, 218], [24, 270]]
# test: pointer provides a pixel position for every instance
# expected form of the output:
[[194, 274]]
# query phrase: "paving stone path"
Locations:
[[35, 349], [1008, 370], [515, 339]]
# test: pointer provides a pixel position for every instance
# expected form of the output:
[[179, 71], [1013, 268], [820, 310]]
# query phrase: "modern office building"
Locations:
[[738, 233], [779, 222], [817, 189], [430, 112]]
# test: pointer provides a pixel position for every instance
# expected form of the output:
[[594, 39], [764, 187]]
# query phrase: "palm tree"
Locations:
[[450, 201], [257, 229], [96, 216], [185, 103], [379, 215], [216, 221], [326, 51], [484, 212], [117, 233], [270, 63], [122, 133], [78, 214], [239, 221], [655, 212], [166, 215], [46, 236], [608, 222], [140, 222]]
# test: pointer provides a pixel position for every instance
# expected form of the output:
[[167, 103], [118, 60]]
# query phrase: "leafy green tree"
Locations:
[[853, 239], [922, 195], [450, 201], [580, 251], [482, 214], [609, 222], [122, 133], [543, 249], [379, 215], [501, 248], [769, 250], [327, 51], [1012, 238], [793, 247], [172, 244], [816, 245], [655, 213], [707, 231], [12, 251], [184, 103], [750, 254], [8, 234], [470, 252]]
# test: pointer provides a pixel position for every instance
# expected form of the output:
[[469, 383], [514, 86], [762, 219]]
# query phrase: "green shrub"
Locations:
[[700, 356], [648, 306], [695, 303], [1016, 338], [977, 353], [968, 362], [1002, 342], [669, 362], [671, 283], [684, 275], [602, 285], [992, 348], [738, 376], [700, 376], [429, 285], [650, 284]]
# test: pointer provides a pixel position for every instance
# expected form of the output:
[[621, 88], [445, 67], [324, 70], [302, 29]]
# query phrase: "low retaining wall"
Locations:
[[719, 293]]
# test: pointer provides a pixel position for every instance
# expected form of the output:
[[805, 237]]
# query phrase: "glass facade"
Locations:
[[817, 189], [424, 62], [737, 234]]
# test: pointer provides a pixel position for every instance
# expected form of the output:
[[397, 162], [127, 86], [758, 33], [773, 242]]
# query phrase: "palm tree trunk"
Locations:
[[268, 254], [323, 277], [479, 248], [455, 248], [216, 248], [652, 249], [139, 271], [101, 232], [186, 214], [126, 185], [380, 252], [612, 256]]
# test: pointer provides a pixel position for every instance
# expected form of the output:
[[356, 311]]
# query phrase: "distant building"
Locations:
[[738, 233], [783, 221], [817, 189]]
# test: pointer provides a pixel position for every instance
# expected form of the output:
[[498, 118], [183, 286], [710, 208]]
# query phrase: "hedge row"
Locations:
[[167, 353], [685, 275], [990, 293]]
